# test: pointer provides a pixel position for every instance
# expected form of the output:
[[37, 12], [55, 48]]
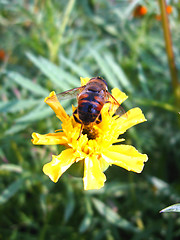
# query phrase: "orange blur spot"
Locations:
[[2, 55], [140, 11], [169, 10]]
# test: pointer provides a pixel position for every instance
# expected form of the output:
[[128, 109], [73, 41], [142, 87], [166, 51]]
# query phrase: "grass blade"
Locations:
[[104, 67], [76, 68], [57, 75], [120, 75], [17, 105], [11, 190], [37, 114], [16, 128], [28, 84], [11, 168], [112, 216], [172, 208]]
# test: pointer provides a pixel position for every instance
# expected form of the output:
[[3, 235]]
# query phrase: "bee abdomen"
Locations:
[[89, 107]]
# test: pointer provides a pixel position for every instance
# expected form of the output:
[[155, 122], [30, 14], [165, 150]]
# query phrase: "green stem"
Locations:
[[54, 47], [169, 50]]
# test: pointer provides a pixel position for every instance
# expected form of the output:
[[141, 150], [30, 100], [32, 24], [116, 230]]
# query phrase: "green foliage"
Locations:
[[48, 45], [172, 208]]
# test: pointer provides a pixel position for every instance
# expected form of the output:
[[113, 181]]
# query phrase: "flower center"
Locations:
[[91, 132]]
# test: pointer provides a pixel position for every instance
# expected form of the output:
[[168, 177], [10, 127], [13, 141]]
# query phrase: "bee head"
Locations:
[[100, 78]]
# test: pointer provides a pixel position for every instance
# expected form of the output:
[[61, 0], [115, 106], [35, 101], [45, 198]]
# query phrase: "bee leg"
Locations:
[[78, 121], [99, 119], [75, 118], [80, 131], [109, 105]]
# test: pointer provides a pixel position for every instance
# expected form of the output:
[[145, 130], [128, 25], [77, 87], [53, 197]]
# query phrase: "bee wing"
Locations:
[[69, 94], [120, 110]]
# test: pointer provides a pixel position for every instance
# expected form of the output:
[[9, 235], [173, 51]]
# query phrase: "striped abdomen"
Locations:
[[89, 106]]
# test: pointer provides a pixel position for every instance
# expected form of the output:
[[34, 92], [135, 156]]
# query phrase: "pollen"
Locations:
[[91, 131]]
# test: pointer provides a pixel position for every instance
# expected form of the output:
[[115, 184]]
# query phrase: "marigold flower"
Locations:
[[95, 145]]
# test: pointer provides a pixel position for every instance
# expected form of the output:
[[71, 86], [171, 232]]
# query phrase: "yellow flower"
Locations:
[[95, 145]]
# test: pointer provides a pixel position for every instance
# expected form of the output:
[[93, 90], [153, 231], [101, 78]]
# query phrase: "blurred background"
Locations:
[[47, 45]]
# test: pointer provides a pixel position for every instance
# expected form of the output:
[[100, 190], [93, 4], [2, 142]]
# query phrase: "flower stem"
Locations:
[[169, 50]]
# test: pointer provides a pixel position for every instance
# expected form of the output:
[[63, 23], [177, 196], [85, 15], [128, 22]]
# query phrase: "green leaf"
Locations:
[[113, 217], [36, 114], [155, 103], [120, 75], [76, 68], [28, 84], [70, 202], [11, 168], [18, 105], [16, 128], [172, 208], [11, 190], [86, 222], [57, 75], [114, 189], [40, 112], [143, 80], [104, 67]]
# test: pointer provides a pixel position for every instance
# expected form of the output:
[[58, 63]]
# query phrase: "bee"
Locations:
[[91, 99]]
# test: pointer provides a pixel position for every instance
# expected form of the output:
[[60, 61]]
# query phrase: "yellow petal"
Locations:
[[118, 95], [49, 139], [84, 81], [59, 164], [53, 102], [125, 156], [111, 107], [103, 164], [94, 178], [132, 117]]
